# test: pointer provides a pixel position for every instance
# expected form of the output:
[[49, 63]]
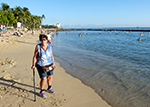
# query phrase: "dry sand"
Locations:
[[16, 79]]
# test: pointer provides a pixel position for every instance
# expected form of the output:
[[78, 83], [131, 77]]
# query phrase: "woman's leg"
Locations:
[[49, 80], [42, 83], [42, 76]]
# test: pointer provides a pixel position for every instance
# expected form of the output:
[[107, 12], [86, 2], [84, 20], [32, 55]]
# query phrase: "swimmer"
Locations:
[[139, 39]]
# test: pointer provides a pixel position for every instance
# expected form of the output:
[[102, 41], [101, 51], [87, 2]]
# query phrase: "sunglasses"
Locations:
[[43, 40]]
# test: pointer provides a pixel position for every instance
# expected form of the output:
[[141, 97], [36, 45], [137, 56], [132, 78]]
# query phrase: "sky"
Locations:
[[89, 13]]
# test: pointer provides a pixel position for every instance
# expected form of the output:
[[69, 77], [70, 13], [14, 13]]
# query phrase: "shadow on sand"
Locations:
[[11, 84], [26, 42]]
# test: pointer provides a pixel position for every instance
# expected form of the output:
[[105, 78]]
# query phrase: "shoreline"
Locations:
[[16, 85]]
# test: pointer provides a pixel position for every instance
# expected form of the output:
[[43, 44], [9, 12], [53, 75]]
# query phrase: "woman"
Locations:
[[43, 56]]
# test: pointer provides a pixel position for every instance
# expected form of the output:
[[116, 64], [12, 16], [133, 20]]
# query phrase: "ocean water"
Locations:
[[114, 64]]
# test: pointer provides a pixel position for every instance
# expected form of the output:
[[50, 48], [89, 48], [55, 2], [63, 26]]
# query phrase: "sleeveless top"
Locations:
[[44, 55]]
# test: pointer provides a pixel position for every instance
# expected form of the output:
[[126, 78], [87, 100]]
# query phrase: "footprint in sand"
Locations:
[[6, 61], [13, 89], [57, 99], [4, 64]]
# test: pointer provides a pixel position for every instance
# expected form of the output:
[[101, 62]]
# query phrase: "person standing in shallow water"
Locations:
[[43, 56], [49, 37]]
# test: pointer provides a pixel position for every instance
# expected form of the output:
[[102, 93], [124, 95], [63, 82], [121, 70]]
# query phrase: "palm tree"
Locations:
[[39, 20], [10, 16], [1, 16], [11, 19], [43, 16], [5, 7], [26, 15], [33, 20], [18, 14], [36, 21]]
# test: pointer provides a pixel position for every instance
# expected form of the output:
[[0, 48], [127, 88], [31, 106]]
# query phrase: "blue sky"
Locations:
[[89, 13]]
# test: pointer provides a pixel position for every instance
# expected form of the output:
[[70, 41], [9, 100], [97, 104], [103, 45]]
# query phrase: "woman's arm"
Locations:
[[53, 57], [34, 57]]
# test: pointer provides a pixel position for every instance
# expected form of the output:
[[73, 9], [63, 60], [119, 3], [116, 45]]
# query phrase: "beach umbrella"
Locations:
[[1, 31], [5, 27]]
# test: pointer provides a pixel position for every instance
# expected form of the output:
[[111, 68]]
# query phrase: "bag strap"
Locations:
[[41, 55]]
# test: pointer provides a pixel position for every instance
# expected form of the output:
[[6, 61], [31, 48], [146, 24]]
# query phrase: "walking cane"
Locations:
[[34, 84]]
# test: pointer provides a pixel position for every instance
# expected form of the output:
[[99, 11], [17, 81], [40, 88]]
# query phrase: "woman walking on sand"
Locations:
[[43, 56]]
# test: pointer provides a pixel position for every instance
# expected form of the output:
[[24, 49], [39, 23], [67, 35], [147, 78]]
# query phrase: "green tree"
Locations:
[[17, 11], [43, 16], [5, 7], [1, 16], [11, 19], [26, 16], [11, 16]]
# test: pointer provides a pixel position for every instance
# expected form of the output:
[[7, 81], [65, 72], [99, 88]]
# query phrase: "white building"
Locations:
[[19, 25], [2, 25], [57, 24]]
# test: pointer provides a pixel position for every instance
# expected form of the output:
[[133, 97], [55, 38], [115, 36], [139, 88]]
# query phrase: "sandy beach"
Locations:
[[16, 79]]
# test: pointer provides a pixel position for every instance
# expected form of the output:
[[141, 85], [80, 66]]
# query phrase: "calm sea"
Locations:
[[114, 64]]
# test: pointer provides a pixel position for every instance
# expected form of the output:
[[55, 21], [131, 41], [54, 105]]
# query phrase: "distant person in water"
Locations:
[[57, 33], [49, 37], [139, 39], [80, 35]]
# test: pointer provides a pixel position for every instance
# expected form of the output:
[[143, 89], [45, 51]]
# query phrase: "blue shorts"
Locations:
[[41, 73]]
